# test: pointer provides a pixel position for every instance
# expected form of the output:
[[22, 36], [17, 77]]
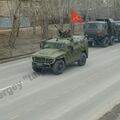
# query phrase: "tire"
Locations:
[[105, 42], [58, 67], [90, 44], [82, 60], [119, 38], [111, 41], [35, 68]]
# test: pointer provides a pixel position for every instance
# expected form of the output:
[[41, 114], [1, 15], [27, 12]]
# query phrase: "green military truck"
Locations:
[[102, 32], [117, 29], [60, 52]]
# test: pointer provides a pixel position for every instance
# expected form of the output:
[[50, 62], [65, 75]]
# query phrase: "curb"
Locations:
[[4, 60]]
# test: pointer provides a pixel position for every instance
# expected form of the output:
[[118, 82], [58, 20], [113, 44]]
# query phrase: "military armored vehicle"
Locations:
[[101, 32], [117, 29], [60, 52]]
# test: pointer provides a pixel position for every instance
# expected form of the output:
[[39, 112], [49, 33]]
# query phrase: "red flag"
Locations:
[[75, 17]]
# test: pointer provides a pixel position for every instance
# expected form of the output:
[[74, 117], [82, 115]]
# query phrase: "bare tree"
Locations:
[[15, 16], [33, 16]]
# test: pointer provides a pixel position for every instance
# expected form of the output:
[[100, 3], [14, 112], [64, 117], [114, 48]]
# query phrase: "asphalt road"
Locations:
[[80, 93]]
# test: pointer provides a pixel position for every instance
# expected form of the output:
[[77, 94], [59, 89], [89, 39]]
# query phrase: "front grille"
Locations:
[[42, 60]]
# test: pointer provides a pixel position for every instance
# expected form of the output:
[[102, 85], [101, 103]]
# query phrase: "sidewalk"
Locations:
[[114, 114]]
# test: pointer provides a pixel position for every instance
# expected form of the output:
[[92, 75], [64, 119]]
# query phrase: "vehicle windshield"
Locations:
[[94, 26], [54, 45]]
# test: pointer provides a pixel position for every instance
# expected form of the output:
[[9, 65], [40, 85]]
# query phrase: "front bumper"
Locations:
[[41, 65]]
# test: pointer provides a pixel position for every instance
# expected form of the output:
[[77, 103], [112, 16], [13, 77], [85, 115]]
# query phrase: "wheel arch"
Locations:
[[60, 58], [86, 52]]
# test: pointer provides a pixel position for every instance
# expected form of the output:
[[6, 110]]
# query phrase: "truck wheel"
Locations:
[[111, 41], [82, 60], [35, 68], [58, 67], [105, 42], [119, 38], [90, 44]]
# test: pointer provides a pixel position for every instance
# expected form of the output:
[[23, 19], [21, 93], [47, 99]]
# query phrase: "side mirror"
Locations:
[[42, 44]]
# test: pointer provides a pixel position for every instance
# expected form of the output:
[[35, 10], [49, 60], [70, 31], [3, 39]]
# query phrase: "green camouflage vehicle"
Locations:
[[58, 53], [102, 32], [117, 29]]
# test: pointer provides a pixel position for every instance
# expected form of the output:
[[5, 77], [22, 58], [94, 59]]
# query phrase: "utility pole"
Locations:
[[108, 10], [88, 10]]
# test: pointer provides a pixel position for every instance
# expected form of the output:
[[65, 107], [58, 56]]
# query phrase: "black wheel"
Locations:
[[105, 42], [119, 38], [58, 67], [82, 60], [90, 44], [111, 41], [35, 68]]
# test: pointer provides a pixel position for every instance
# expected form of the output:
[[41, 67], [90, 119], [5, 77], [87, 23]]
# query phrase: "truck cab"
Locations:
[[100, 32]]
